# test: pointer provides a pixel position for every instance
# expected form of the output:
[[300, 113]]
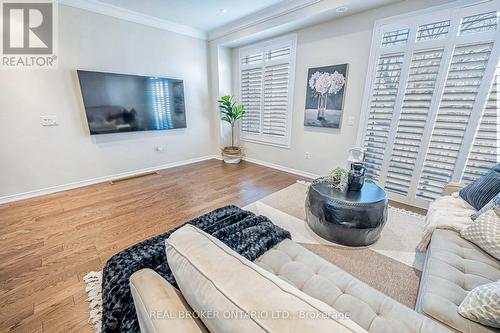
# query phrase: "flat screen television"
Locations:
[[128, 103]]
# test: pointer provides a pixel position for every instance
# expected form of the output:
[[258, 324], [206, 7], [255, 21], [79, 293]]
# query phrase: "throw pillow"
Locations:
[[493, 204], [485, 233], [482, 305], [482, 190]]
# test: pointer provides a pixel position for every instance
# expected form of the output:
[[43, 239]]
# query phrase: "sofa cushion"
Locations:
[[160, 307], [235, 295], [485, 233], [482, 304], [493, 204], [320, 279], [454, 267], [483, 189]]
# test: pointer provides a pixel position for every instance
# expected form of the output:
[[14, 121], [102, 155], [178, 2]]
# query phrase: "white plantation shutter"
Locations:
[[266, 77], [275, 111], [251, 97], [485, 149], [381, 108], [438, 122], [461, 88], [422, 77]]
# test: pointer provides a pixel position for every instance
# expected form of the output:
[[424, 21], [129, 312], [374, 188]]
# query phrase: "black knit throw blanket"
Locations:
[[241, 230]]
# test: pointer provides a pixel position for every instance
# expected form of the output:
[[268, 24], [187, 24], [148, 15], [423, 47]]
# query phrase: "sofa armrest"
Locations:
[[159, 306], [452, 188]]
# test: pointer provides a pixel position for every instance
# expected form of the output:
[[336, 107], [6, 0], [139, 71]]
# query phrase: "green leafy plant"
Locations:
[[231, 112], [338, 178]]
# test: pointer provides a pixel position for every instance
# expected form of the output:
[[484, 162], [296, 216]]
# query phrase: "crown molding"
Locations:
[[132, 16], [261, 16]]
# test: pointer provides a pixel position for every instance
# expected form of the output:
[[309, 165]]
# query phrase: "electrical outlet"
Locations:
[[307, 155], [49, 121], [350, 121]]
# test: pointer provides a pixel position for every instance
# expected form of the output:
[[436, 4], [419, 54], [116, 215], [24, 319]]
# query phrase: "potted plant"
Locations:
[[231, 112], [338, 178]]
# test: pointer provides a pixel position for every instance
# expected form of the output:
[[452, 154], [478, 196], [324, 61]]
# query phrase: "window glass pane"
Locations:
[[479, 23], [433, 30], [252, 59], [281, 53], [397, 37]]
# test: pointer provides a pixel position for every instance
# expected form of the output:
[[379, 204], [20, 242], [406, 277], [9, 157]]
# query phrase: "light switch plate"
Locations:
[[49, 121]]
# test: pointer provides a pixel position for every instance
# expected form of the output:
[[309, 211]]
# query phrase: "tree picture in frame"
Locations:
[[325, 96]]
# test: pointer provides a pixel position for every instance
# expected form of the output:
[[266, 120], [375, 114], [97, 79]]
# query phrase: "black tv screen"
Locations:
[[127, 103]]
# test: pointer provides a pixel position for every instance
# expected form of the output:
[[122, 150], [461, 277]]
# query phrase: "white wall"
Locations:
[[225, 87], [34, 157], [345, 40]]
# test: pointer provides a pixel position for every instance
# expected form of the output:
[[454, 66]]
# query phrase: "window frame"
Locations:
[[455, 13], [287, 40]]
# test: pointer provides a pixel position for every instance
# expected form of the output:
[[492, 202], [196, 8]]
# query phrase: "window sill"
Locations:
[[274, 142]]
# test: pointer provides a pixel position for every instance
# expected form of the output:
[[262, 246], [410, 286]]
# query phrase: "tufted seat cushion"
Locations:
[[232, 294], [322, 280], [453, 267]]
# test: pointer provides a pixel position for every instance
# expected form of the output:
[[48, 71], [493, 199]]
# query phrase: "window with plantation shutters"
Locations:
[[266, 89], [432, 117]]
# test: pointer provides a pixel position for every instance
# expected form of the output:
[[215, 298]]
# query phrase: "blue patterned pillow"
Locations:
[[493, 204], [482, 190]]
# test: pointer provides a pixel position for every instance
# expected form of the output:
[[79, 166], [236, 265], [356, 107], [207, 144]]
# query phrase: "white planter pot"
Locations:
[[231, 159], [231, 156]]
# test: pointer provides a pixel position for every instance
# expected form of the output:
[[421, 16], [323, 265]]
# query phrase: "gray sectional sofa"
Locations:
[[289, 277], [453, 267]]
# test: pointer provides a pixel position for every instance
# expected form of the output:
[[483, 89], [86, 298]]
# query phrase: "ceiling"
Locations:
[[218, 19], [200, 14]]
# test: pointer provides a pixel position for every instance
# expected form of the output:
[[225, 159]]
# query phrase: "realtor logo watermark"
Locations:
[[29, 34]]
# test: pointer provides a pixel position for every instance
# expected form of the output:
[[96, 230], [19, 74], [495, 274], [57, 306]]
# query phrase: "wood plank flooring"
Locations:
[[48, 243]]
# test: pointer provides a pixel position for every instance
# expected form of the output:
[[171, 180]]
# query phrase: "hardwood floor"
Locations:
[[48, 243]]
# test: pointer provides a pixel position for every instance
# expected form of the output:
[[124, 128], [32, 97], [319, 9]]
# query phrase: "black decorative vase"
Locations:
[[356, 177]]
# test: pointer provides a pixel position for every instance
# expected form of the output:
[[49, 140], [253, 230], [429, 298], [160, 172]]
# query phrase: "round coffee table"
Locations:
[[353, 218]]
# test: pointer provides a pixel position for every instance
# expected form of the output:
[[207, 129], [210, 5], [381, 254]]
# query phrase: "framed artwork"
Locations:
[[325, 96]]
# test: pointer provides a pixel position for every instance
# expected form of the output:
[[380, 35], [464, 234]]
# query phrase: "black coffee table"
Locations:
[[353, 218]]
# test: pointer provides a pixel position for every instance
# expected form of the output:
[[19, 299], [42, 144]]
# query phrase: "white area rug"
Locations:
[[398, 240], [93, 280]]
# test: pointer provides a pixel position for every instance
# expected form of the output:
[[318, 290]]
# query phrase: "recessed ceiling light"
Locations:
[[341, 9], [223, 11]]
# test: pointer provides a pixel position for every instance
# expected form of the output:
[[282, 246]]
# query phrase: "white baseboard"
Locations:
[[64, 187], [73, 185], [282, 168]]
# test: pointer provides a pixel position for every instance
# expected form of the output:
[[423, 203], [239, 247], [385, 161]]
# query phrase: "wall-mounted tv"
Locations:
[[128, 103]]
